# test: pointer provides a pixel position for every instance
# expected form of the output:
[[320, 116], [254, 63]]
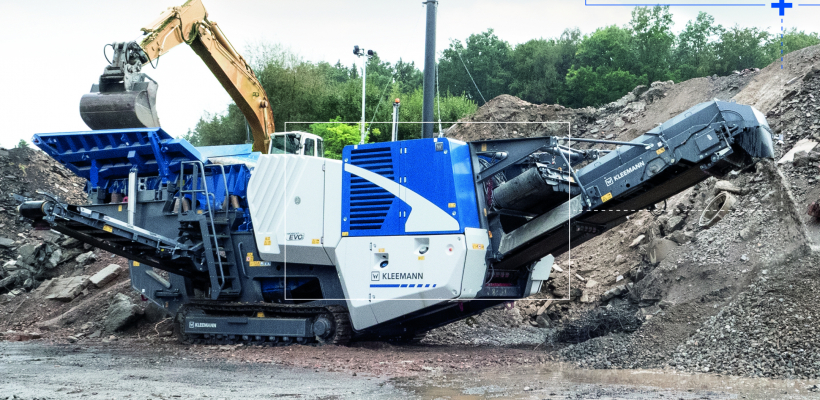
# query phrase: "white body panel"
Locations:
[[377, 294], [475, 267], [540, 273], [286, 200], [333, 207]]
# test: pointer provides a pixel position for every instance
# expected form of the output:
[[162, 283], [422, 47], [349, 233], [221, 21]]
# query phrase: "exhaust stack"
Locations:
[[429, 72]]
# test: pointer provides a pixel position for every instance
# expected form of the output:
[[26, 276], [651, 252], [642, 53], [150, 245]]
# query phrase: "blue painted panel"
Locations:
[[102, 155], [462, 167], [432, 174], [224, 151], [442, 177], [367, 209]]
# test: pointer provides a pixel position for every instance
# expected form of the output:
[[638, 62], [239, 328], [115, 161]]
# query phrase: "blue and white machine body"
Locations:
[[391, 241], [400, 221]]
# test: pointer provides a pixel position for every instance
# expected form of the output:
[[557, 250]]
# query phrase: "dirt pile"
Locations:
[[51, 285], [737, 297], [27, 257], [625, 119]]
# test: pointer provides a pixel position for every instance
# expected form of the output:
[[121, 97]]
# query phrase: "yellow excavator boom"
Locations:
[[125, 97]]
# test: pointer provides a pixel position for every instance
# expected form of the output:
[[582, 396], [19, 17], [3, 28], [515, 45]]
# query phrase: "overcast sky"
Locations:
[[53, 50]]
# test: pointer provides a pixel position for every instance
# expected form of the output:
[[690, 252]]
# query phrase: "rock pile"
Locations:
[[28, 257], [37, 261], [768, 331], [49, 282], [735, 296]]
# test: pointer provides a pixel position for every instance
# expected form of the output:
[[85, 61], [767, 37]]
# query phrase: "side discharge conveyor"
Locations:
[[391, 241]]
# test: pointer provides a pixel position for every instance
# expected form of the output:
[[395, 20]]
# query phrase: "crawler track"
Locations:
[[341, 334]]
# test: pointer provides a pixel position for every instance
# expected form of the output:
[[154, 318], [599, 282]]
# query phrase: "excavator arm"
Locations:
[[132, 105]]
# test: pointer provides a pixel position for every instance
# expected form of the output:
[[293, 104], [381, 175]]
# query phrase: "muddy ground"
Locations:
[[135, 369]]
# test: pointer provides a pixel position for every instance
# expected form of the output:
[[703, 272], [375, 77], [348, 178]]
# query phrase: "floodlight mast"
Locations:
[[367, 55]]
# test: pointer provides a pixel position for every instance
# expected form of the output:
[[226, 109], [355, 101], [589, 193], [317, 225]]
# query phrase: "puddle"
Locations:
[[559, 381]]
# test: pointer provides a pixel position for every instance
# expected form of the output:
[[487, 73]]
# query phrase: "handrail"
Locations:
[[207, 194]]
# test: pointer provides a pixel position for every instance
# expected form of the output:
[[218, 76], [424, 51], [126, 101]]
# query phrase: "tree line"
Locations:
[[574, 69], [300, 90]]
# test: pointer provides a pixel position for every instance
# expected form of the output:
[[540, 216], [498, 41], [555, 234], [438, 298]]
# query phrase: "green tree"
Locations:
[[535, 71], [407, 76], [337, 135], [604, 67], [303, 91], [219, 129], [336, 73], [787, 42], [22, 144], [652, 39], [608, 47], [593, 87], [452, 108], [297, 92], [567, 44], [695, 52], [740, 48], [488, 60]]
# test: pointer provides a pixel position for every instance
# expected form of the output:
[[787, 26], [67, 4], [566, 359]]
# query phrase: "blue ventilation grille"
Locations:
[[369, 203]]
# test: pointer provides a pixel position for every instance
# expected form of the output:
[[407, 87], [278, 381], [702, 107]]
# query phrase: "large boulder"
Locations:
[[105, 275], [121, 313], [86, 258], [674, 223], [614, 292], [6, 242], [63, 289], [155, 313], [29, 251], [659, 249]]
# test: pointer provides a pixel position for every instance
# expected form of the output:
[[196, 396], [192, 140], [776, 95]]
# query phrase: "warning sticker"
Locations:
[[259, 264], [267, 241], [108, 228], [606, 197], [478, 246]]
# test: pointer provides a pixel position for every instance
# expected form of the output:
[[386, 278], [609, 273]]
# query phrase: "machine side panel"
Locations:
[[332, 208], [395, 275], [353, 274], [285, 195], [475, 265], [408, 188], [370, 208], [464, 182]]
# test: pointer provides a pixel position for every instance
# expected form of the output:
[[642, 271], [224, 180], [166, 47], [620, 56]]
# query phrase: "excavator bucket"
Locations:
[[134, 108], [124, 96]]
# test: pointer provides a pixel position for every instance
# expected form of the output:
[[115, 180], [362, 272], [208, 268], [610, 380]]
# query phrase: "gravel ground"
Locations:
[[500, 326], [130, 369]]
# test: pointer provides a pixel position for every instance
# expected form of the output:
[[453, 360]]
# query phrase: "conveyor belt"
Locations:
[[592, 223]]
